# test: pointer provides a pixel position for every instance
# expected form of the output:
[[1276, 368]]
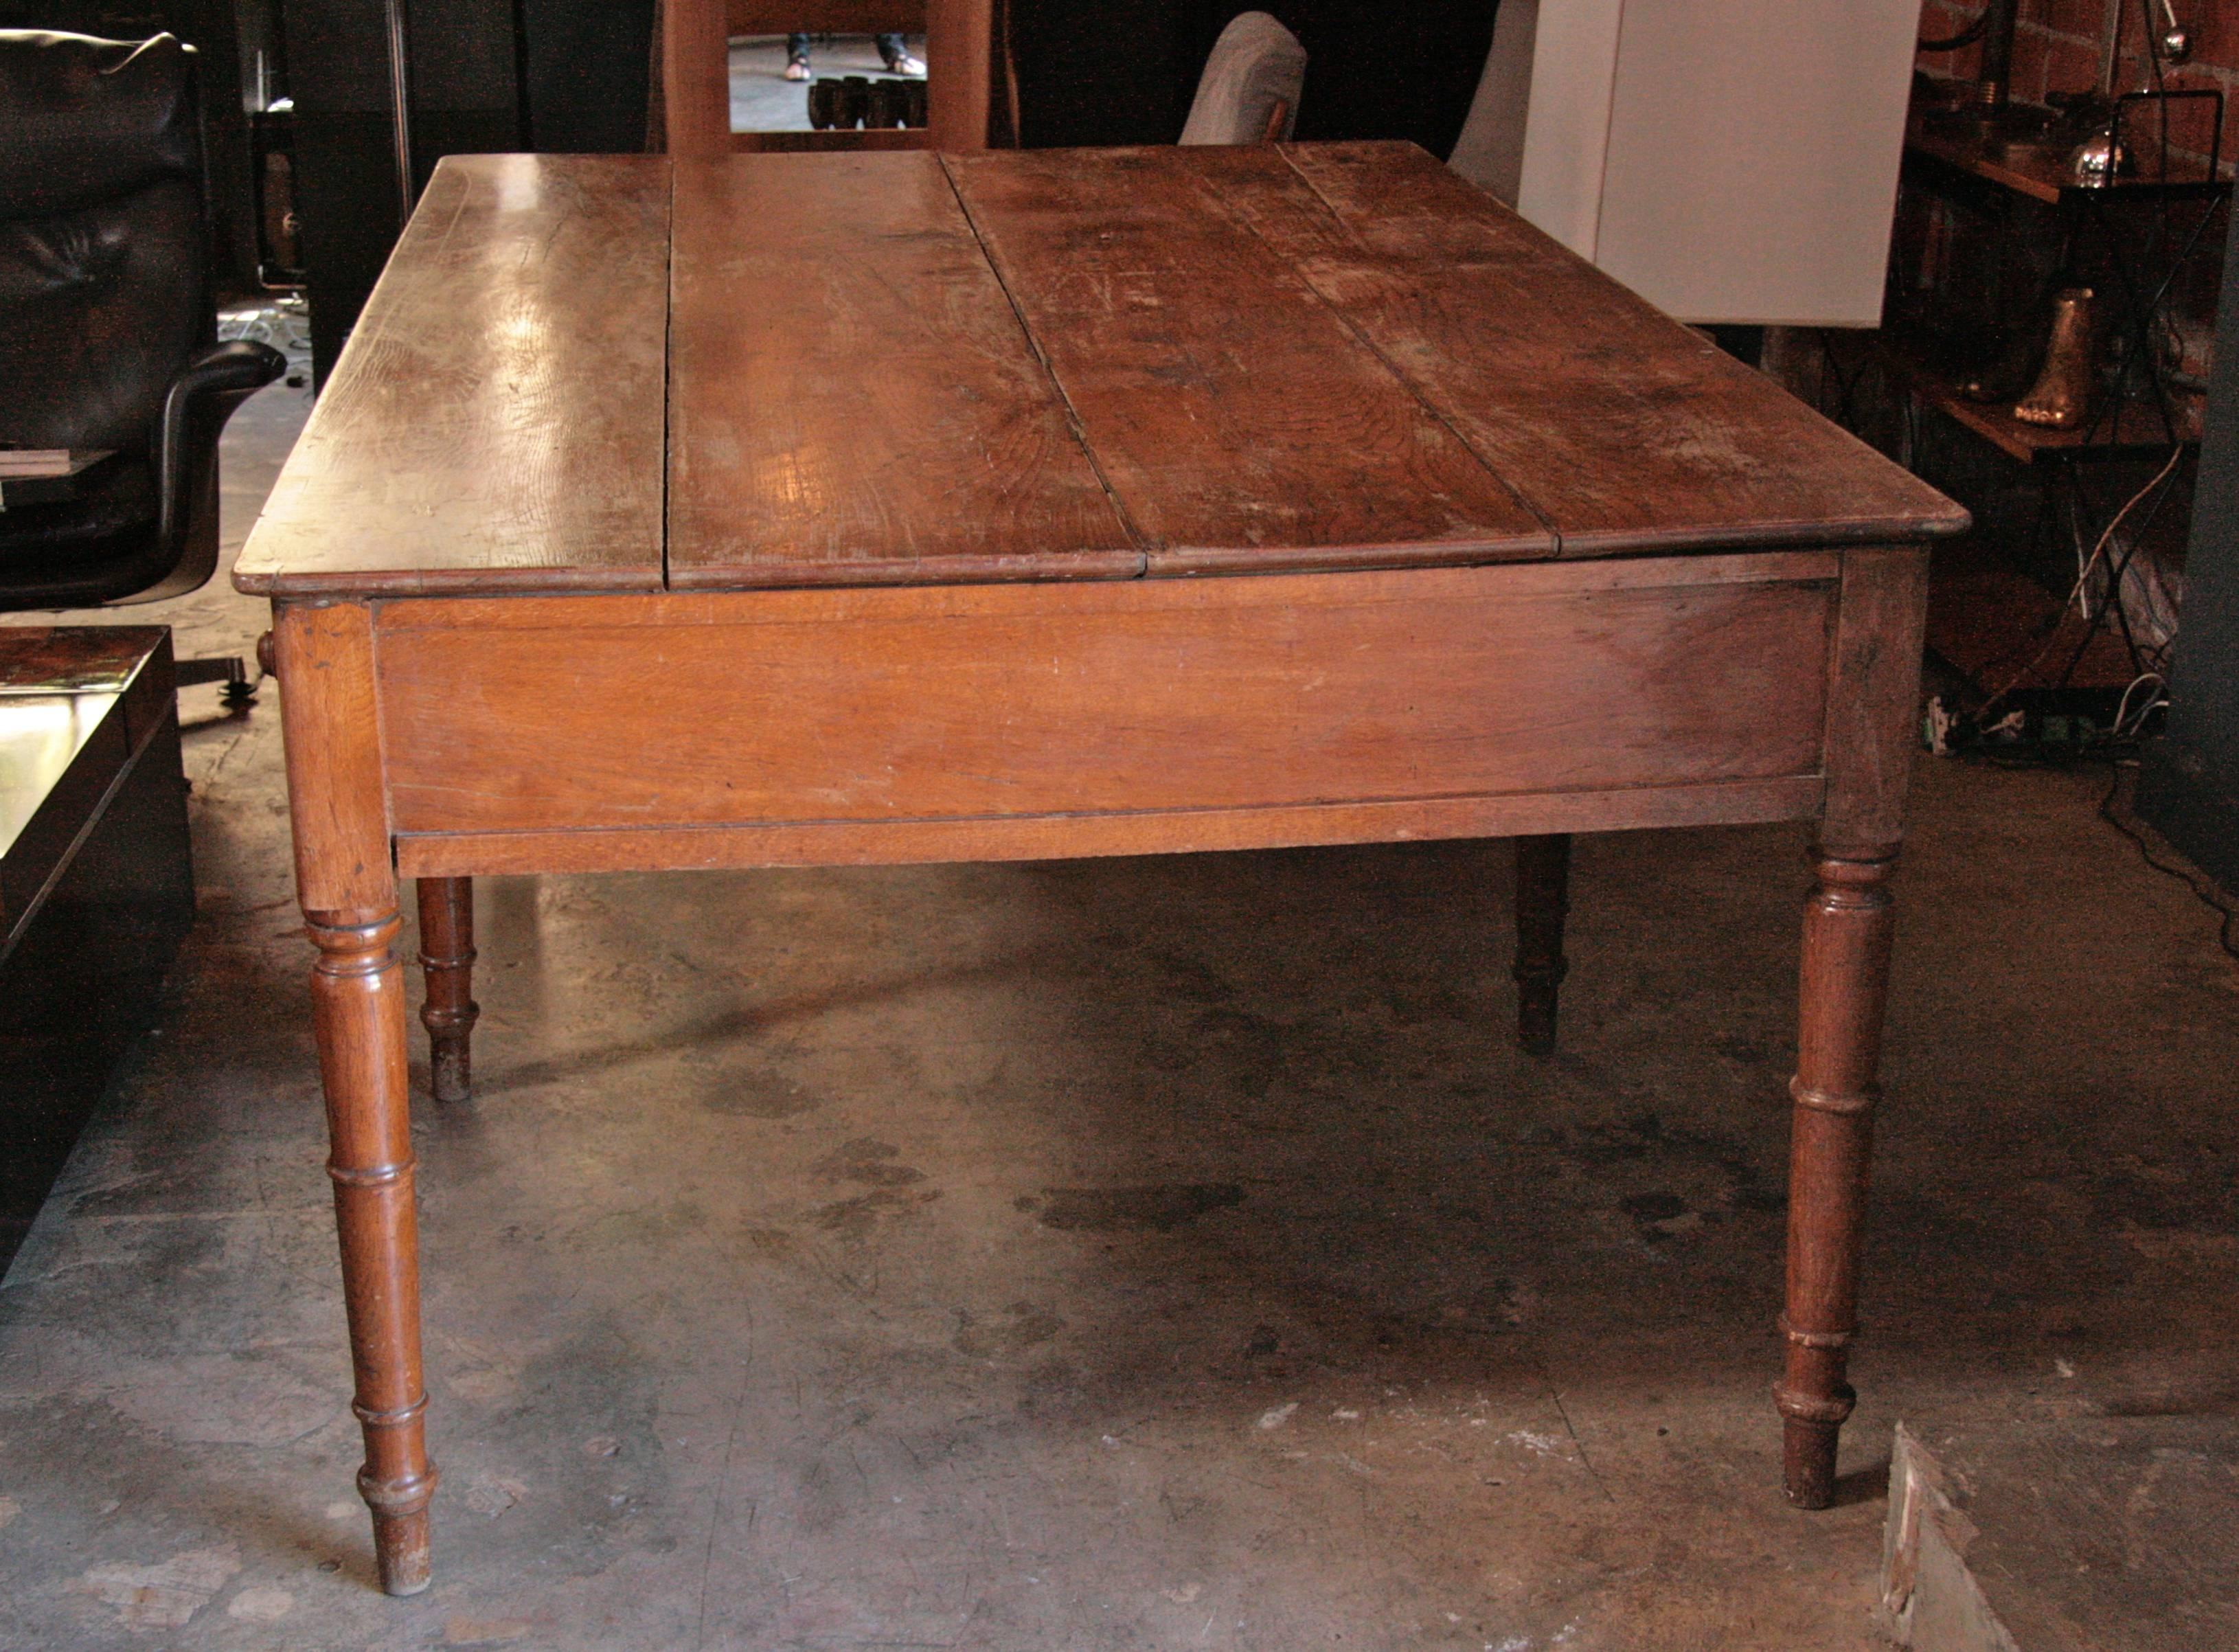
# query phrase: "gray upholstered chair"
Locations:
[[1249, 92], [1490, 152]]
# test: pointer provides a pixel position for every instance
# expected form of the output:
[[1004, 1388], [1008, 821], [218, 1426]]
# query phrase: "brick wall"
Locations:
[[2060, 46]]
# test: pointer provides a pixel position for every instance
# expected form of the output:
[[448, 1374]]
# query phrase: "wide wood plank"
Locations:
[[495, 421], [948, 702], [1242, 422], [1623, 429], [852, 399]]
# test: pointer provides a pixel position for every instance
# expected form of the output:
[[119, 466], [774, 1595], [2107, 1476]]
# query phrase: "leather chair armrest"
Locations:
[[216, 380]]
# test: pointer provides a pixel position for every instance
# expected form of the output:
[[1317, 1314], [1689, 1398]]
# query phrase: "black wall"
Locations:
[[565, 77], [569, 76], [466, 99], [583, 74], [1123, 71], [2189, 783]]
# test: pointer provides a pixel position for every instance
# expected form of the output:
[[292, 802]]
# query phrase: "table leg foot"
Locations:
[[1807, 1461], [1543, 877], [401, 1545], [447, 958], [357, 998], [1848, 923]]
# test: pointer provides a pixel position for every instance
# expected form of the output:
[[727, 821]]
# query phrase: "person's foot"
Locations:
[[901, 63], [796, 65]]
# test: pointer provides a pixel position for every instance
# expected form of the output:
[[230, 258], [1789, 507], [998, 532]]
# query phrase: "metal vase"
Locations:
[[2060, 398]]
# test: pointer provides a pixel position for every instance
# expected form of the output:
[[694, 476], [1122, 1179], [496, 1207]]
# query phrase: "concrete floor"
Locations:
[[763, 100], [1126, 1254]]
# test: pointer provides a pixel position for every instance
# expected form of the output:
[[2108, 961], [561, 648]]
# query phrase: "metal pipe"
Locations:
[[1994, 80], [399, 92]]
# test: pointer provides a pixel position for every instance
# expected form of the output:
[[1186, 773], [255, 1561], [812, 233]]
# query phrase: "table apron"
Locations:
[[1005, 722]]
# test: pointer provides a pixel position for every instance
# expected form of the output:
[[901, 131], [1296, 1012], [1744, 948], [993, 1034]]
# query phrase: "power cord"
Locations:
[[2205, 892], [2079, 592]]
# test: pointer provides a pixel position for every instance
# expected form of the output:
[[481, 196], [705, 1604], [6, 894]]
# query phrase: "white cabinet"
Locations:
[[1730, 160]]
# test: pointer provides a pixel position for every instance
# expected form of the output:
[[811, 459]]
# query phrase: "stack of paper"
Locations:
[[43, 476], [39, 461]]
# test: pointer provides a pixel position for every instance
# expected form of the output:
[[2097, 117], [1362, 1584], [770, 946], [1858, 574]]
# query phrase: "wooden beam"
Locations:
[[959, 46], [696, 67]]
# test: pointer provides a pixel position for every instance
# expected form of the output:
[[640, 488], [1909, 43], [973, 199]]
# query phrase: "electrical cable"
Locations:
[[2209, 896], [2097, 551], [2123, 706], [1964, 38], [2113, 601]]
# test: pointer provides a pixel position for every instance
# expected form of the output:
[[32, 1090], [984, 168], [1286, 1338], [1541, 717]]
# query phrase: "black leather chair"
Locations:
[[107, 324]]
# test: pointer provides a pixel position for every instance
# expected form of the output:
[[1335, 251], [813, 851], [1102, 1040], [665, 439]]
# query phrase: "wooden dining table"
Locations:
[[832, 510]]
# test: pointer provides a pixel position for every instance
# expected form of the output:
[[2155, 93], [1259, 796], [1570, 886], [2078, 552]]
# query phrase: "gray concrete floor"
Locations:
[[763, 100], [1125, 1254]]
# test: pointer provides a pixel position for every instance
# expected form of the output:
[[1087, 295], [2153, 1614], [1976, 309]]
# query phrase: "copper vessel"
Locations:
[[2061, 395]]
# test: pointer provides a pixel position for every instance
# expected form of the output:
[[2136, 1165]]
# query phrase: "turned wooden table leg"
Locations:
[[1873, 701], [446, 959], [347, 889], [358, 991], [1543, 877], [1847, 928]]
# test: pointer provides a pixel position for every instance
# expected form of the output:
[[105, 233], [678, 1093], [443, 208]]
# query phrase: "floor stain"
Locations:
[[855, 1218], [869, 1160], [167, 1595], [1160, 1209], [1018, 1327]]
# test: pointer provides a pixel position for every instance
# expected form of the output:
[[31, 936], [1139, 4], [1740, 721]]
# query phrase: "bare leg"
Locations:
[[348, 897], [447, 956], [1847, 927], [1543, 877]]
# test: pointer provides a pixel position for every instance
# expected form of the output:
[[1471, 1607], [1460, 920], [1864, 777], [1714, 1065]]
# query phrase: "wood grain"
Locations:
[[955, 702], [447, 964], [1874, 701], [1045, 838], [1849, 926], [1843, 985], [1242, 423], [1621, 428], [959, 72], [824, 16], [336, 801], [348, 895], [695, 74], [851, 397], [495, 421], [844, 139]]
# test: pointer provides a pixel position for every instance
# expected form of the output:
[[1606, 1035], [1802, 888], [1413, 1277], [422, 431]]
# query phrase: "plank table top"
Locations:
[[610, 373]]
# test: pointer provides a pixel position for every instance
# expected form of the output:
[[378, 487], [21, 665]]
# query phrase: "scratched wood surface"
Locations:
[[851, 397], [932, 703], [495, 421], [1240, 419], [1623, 429], [886, 369]]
